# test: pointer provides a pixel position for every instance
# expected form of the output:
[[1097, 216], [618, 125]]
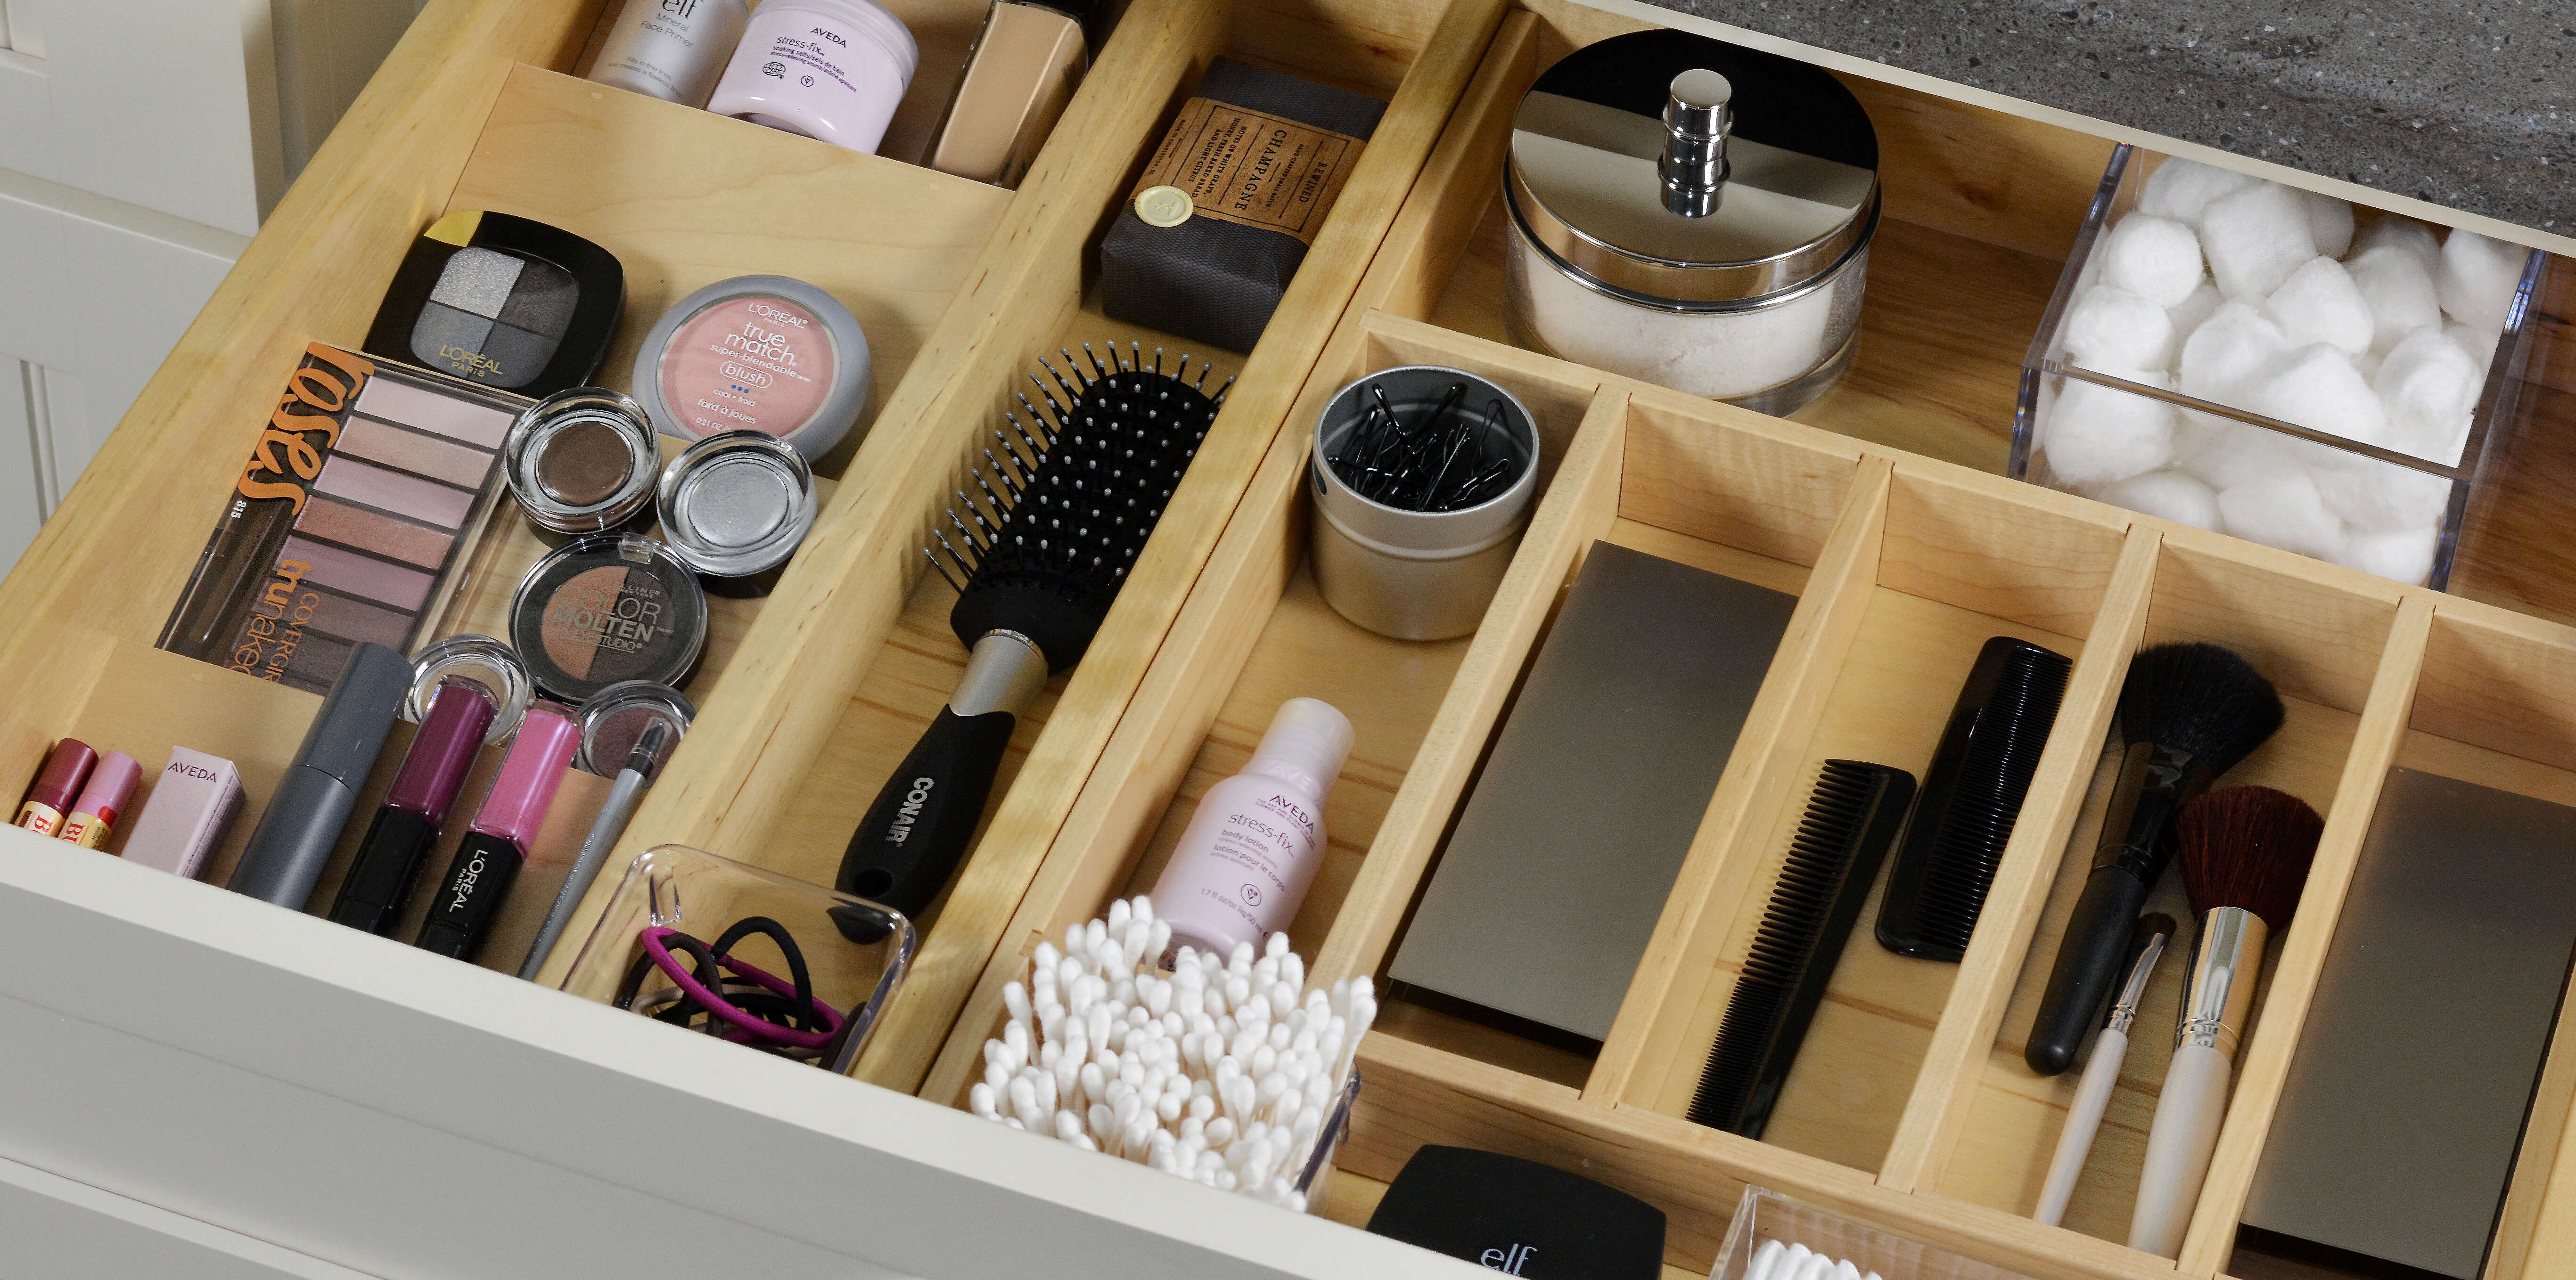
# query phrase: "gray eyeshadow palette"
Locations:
[[2403, 1114], [503, 302], [355, 531], [1551, 885]]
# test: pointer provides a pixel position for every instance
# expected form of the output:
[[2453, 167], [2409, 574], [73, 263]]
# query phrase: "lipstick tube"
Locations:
[[477, 882], [432, 772], [110, 787], [50, 800]]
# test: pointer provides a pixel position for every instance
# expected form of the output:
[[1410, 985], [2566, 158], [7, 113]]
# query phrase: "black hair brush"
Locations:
[[1064, 502], [2188, 713], [1851, 820], [1972, 795]]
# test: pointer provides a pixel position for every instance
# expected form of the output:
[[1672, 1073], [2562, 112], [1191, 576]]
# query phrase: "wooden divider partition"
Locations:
[[1910, 1106]]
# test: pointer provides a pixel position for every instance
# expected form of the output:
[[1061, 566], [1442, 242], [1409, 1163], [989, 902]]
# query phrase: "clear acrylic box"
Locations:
[[854, 952], [1767, 1215], [2405, 502]]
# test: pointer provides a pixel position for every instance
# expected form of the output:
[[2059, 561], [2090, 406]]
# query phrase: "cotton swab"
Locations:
[[1224, 1071]]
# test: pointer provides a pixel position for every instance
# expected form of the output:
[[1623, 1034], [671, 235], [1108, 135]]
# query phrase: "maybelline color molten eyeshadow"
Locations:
[[603, 609]]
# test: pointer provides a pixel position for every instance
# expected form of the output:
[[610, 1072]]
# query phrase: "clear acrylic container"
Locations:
[[2365, 502], [855, 952], [1764, 1215]]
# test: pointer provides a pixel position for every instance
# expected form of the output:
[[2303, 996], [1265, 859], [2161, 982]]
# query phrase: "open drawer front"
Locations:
[[1909, 1107]]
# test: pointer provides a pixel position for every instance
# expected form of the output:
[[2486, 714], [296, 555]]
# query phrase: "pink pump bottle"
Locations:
[[1244, 864]]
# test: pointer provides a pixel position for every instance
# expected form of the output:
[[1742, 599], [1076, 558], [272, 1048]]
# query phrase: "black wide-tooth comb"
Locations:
[[1971, 796], [1851, 820], [1063, 502]]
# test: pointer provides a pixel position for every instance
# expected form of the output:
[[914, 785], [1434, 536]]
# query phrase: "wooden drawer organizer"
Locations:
[[1909, 1106], [808, 698]]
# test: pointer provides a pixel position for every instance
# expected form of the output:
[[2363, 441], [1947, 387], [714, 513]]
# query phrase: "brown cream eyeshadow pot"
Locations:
[[601, 610]]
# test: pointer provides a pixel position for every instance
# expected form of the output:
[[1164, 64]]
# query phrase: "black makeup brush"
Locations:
[[2188, 713], [1064, 501], [2245, 858]]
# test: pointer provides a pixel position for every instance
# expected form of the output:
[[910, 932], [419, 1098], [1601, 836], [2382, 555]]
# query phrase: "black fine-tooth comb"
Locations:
[[1971, 796], [1851, 820], [1063, 504]]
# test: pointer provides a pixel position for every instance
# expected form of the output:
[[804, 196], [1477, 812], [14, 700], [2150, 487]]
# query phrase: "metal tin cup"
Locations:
[[1419, 575], [735, 506]]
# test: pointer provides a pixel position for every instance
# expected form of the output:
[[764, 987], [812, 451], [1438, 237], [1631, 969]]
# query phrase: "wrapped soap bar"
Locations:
[[1231, 202]]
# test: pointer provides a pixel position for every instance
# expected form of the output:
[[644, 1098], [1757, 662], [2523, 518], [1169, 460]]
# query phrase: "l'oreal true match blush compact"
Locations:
[[756, 353]]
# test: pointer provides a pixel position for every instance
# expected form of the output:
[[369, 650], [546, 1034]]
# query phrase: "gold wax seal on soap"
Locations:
[[1164, 206]]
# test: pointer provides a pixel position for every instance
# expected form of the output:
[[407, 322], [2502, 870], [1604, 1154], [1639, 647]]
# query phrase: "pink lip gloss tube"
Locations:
[[110, 789], [470, 895]]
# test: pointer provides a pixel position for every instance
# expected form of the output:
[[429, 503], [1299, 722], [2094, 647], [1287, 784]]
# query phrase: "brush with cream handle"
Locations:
[[2102, 1072], [2245, 855]]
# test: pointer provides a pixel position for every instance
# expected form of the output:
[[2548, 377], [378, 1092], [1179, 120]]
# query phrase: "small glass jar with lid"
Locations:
[[1693, 214]]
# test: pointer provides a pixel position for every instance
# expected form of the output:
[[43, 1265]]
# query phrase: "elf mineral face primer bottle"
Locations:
[[1244, 864]]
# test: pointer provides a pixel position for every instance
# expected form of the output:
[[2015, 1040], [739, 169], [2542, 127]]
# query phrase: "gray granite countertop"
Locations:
[[2469, 104]]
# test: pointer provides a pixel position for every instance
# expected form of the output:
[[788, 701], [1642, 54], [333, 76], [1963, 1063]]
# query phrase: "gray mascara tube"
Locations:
[[293, 841]]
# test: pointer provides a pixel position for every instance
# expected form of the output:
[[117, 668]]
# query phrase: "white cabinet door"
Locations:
[[166, 104], [93, 294], [65, 1230]]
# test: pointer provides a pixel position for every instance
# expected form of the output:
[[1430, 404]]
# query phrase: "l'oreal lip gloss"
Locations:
[[432, 772], [471, 893], [50, 800]]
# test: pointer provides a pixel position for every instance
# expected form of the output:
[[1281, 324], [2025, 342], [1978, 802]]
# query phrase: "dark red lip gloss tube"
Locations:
[[433, 771], [470, 895]]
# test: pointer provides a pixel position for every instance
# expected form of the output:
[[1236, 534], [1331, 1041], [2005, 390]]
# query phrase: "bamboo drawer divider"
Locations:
[[1910, 1106]]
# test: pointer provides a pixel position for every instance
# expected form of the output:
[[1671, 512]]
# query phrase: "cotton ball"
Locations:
[[2405, 555], [2280, 507], [2481, 345], [2398, 291], [2330, 222], [2377, 497], [2478, 278], [2316, 387], [2220, 452], [2188, 314], [2255, 238], [2110, 328], [2430, 387], [2097, 434], [2392, 232], [2169, 495], [2152, 257], [2227, 350], [2182, 189], [2319, 303]]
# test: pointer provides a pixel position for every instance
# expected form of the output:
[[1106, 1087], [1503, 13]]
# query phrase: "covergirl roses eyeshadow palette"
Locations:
[[363, 497]]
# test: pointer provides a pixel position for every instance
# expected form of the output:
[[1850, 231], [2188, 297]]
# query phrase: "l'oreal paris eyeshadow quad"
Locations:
[[362, 499], [502, 302]]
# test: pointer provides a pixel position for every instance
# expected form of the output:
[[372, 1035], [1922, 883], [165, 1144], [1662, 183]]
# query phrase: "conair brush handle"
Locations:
[[916, 832]]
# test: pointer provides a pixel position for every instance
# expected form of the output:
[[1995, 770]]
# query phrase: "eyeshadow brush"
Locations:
[[2188, 713], [2245, 857], [2102, 1071]]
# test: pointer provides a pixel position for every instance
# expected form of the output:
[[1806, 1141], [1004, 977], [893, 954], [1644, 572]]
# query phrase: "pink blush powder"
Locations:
[[757, 363]]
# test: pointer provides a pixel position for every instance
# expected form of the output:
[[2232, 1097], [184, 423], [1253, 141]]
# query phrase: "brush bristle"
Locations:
[[1843, 836], [1066, 496], [2248, 847], [2199, 699]]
